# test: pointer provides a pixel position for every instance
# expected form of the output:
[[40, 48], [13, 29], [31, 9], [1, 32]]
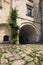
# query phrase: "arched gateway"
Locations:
[[5, 33], [27, 34]]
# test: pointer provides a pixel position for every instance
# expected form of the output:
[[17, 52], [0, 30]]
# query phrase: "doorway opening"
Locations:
[[6, 38], [27, 34]]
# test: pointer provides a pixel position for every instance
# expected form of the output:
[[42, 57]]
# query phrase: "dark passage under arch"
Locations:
[[6, 38], [27, 34]]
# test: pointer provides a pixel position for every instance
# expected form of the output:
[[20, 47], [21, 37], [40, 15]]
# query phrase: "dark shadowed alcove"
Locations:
[[6, 38], [27, 34]]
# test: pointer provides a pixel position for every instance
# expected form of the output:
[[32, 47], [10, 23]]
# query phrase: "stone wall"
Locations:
[[23, 19], [5, 11], [4, 16]]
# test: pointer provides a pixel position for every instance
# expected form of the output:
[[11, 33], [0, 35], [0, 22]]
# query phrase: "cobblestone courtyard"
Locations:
[[29, 54]]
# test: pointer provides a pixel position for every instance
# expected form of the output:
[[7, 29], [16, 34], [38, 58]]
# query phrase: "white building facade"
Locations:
[[28, 20]]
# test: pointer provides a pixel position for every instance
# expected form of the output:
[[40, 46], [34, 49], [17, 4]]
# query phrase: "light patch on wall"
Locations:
[[7, 1], [17, 0]]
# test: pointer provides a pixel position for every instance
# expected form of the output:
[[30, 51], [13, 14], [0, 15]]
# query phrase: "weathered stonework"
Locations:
[[4, 16], [32, 23]]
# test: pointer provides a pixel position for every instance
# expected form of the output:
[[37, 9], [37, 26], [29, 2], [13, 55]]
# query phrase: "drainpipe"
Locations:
[[40, 6]]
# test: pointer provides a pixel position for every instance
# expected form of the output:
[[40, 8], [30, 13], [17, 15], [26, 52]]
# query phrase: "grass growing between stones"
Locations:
[[9, 63], [27, 62], [35, 54], [37, 58]]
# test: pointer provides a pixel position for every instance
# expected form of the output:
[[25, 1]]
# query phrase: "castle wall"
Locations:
[[23, 19], [21, 5], [4, 16], [5, 11]]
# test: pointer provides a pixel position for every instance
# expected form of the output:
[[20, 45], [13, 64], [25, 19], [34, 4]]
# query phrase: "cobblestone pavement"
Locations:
[[29, 54]]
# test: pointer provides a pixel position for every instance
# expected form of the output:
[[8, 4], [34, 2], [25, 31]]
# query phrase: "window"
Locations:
[[0, 4], [30, 0], [29, 11]]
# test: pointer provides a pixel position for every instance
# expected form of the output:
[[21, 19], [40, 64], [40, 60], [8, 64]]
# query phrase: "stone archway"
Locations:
[[27, 34], [5, 32]]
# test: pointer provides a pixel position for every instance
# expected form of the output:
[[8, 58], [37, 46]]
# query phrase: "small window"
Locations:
[[29, 11], [30, 0], [0, 4]]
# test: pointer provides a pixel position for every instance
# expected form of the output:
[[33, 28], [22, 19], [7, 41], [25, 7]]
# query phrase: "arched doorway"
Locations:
[[27, 34], [6, 38], [5, 32]]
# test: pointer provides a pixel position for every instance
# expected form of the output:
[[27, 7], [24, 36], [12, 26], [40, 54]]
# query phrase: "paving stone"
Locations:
[[27, 52], [3, 50], [41, 57], [38, 55], [12, 58], [8, 54], [14, 53], [4, 64], [4, 61], [1, 46], [40, 52], [28, 58], [20, 53], [16, 56], [23, 55], [18, 48], [41, 63], [18, 62], [31, 63]]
